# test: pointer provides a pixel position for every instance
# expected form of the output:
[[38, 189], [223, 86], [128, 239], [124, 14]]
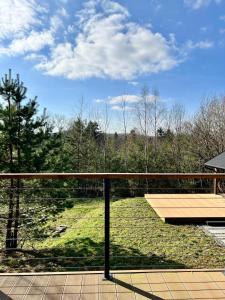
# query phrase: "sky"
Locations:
[[102, 52]]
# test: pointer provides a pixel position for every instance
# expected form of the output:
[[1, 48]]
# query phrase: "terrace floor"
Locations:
[[159, 284], [187, 207]]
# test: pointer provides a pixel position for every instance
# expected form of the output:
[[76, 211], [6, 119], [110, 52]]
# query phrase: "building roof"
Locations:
[[217, 162]]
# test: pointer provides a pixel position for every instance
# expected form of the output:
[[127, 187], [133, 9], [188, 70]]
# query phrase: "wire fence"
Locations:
[[60, 224]]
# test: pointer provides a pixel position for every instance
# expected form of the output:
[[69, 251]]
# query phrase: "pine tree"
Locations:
[[25, 141]]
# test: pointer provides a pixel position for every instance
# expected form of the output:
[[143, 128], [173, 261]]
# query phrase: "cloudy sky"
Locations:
[[101, 50]]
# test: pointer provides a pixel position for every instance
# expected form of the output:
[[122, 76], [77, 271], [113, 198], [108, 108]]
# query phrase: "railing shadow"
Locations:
[[135, 289], [4, 296]]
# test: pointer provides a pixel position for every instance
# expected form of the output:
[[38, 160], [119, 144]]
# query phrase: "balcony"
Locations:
[[128, 285]]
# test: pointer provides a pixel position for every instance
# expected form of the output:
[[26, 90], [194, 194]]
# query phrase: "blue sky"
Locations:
[[101, 50]]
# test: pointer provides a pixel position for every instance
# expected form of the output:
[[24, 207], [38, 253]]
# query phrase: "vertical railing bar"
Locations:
[[215, 182], [107, 229]]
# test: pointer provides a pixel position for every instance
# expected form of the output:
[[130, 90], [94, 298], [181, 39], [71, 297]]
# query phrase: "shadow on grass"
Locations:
[[84, 254]]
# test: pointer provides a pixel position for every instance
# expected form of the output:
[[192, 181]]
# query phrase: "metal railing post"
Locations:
[[107, 228], [215, 186], [215, 183]]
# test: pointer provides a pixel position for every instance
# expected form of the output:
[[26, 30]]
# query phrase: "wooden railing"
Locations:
[[107, 177], [143, 176]]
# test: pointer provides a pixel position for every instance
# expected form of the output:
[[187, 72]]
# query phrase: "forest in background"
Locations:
[[162, 140]]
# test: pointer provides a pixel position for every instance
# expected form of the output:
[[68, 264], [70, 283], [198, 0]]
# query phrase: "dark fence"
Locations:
[[47, 221]]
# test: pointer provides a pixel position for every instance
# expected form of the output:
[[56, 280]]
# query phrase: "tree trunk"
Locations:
[[17, 216], [9, 234], [9, 226], [17, 212]]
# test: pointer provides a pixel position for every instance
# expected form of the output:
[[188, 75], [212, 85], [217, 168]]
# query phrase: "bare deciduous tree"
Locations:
[[207, 129]]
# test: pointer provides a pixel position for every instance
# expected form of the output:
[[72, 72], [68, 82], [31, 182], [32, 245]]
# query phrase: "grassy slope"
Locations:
[[135, 231]]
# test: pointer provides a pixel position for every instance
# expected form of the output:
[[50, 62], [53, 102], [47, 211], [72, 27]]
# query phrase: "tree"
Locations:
[[124, 111], [143, 111], [84, 142], [26, 140], [178, 143], [207, 130], [158, 116]]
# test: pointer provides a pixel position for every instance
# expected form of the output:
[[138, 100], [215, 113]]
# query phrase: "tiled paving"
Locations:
[[127, 285]]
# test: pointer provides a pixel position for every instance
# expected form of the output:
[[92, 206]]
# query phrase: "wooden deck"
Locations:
[[127, 285], [187, 207]]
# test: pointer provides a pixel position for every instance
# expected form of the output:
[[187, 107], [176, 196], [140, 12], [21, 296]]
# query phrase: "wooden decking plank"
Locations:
[[187, 203], [175, 284], [107, 296], [201, 286], [176, 206], [219, 279], [41, 280], [183, 196]]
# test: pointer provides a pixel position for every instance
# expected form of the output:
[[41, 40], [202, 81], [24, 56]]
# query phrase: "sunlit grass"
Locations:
[[139, 239]]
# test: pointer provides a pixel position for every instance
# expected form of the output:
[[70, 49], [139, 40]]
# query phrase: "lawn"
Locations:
[[139, 239]]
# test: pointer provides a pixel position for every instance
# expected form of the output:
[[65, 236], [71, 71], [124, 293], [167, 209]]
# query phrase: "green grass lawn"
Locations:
[[139, 239]]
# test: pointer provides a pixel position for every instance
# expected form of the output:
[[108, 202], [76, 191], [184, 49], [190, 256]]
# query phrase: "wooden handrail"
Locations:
[[141, 176]]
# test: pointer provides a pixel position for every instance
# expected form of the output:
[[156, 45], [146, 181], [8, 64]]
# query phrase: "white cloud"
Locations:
[[134, 83], [196, 4], [113, 7], [199, 45], [117, 102], [35, 56], [102, 42], [32, 43], [116, 107], [63, 12], [55, 23], [129, 99], [109, 45], [25, 27], [120, 108], [124, 98], [99, 100], [190, 46], [18, 20], [17, 16]]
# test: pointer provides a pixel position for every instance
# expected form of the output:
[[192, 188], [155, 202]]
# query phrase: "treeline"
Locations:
[[163, 140], [177, 145]]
